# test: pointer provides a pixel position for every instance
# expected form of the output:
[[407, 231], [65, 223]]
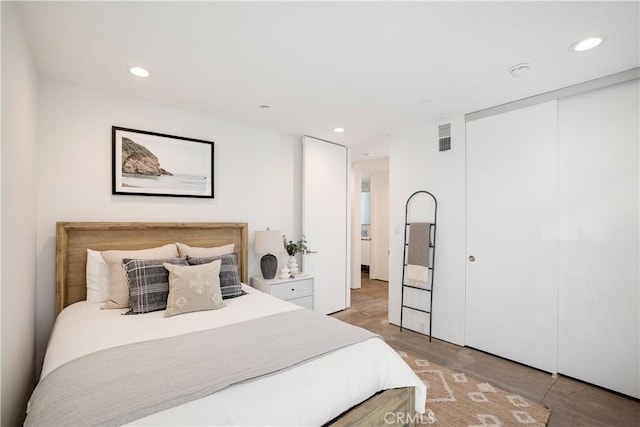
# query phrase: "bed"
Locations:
[[362, 382]]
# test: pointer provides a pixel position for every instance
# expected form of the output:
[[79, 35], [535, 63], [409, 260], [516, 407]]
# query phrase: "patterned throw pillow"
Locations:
[[118, 291], [229, 275], [193, 288], [148, 283]]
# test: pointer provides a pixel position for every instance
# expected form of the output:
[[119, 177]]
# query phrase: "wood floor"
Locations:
[[572, 402]]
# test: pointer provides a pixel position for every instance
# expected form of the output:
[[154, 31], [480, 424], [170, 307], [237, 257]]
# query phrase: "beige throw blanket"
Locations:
[[418, 254], [122, 384]]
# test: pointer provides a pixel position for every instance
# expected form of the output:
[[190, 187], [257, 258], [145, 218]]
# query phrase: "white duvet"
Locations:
[[308, 394]]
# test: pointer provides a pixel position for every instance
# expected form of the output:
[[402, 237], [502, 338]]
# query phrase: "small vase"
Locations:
[[284, 273], [293, 265]]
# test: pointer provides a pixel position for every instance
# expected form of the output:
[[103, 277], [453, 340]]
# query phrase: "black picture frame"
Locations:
[[157, 164]]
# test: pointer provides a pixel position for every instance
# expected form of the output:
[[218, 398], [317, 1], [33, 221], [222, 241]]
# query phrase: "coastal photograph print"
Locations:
[[154, 164]]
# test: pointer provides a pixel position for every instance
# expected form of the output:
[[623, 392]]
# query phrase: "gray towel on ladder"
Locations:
[[419, 241]]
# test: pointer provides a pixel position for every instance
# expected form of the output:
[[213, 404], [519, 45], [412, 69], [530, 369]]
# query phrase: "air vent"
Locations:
[[444, 137]]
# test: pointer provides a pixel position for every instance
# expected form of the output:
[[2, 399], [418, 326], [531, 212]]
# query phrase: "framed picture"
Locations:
[[154, 164]]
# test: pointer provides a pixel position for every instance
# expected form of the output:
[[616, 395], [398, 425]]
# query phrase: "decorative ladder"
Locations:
[[431, 254]]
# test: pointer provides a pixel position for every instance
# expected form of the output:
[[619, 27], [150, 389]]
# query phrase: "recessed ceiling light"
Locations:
[[139, 71], [265, 107], [338, 130], [520, 70], [588, 43]]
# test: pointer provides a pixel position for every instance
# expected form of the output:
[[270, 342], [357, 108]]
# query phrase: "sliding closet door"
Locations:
[[599, 281], [512, 214], [325, 215]]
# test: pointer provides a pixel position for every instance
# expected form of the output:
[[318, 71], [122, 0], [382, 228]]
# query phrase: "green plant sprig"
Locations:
[[295, 247]]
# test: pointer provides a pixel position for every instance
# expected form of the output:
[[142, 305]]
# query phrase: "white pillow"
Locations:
[[118, 285], [97, 277], [196, 252]]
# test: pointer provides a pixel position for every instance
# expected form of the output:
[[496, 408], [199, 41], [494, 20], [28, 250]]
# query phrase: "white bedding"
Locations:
[[308, 394]]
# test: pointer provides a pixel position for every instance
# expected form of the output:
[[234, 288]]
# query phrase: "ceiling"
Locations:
[[373, 68]]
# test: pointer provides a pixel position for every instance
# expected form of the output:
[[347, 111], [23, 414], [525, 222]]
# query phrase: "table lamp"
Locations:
[[268, 242]]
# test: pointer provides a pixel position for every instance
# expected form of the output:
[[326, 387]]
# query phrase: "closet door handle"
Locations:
[[472, 258]]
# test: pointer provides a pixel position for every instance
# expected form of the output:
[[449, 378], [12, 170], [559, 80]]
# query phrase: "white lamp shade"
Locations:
[[268, 242]]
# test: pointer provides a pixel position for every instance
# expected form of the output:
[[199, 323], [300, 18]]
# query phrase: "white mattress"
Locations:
[[308, 394]]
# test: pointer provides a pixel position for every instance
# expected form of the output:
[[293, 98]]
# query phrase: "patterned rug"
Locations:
[[456, 400]]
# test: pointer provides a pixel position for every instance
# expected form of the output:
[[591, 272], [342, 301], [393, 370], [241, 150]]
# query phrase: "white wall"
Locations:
[[18, 259], [416, 164], [257, 175]]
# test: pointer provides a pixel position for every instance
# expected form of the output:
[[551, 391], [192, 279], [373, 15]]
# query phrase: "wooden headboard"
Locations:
[[74, 238]]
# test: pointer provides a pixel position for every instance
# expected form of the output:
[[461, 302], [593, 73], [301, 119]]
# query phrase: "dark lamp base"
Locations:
[[269, 266]]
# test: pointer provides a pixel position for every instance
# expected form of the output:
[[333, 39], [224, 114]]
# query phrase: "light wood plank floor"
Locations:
[[572, 402]]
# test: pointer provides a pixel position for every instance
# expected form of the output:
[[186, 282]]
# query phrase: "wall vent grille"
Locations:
[[444, 137]]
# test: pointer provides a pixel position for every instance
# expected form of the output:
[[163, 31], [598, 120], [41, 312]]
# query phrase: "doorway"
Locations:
[[370, 221]]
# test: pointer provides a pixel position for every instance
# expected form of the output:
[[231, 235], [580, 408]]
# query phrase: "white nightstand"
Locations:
[[298, 290]]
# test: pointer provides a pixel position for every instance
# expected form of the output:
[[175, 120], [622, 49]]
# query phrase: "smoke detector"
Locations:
[[520, 70]]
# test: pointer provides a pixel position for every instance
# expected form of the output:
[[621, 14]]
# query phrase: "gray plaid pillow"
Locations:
[[230, 284], [148, 283]]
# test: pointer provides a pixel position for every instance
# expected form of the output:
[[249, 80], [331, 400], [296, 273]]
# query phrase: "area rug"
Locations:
[[457, 400]]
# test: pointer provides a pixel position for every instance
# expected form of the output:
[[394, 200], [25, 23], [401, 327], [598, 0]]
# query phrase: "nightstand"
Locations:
[[298, 290]]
